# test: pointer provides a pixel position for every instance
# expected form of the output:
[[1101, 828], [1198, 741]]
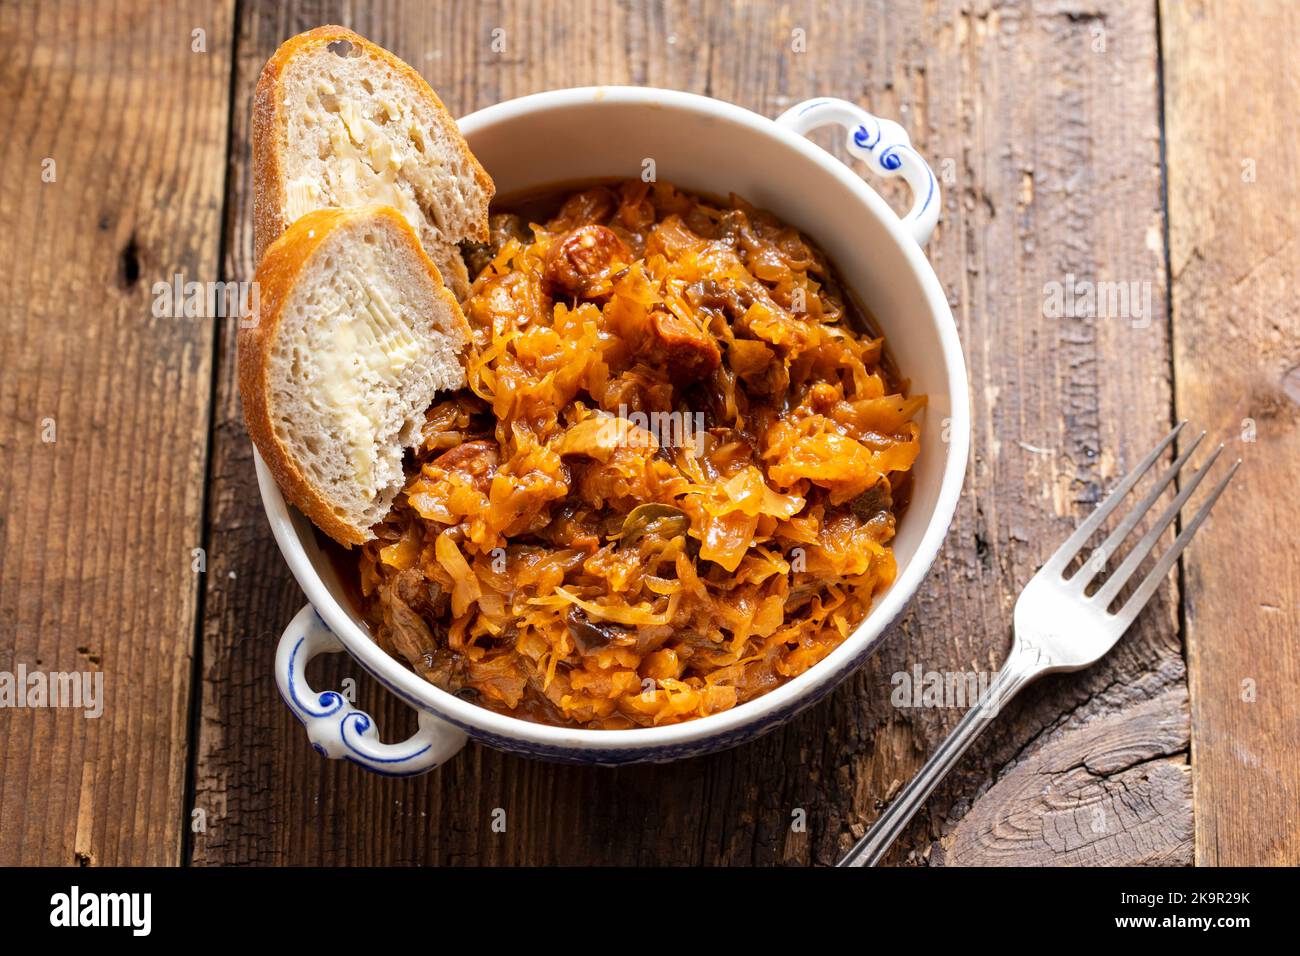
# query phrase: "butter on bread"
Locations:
[[354, 336], [339, 121]]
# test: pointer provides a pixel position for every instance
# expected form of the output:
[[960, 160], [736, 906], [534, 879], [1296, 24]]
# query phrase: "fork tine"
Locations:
[[1138, 600], [1057, 562], [1148, 543], [1110, 546]]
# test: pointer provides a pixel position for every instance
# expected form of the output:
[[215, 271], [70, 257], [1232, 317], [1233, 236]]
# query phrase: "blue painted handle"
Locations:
[[341, 731], [884, 146]]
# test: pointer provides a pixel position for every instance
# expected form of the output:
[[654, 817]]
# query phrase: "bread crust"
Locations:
[[270, 122], [278, 272]]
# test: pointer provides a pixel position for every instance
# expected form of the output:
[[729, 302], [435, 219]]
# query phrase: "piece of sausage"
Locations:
[[689, 353], [475, 461], [581, 262]]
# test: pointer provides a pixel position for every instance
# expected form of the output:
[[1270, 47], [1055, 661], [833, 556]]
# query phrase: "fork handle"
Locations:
[[1022, 667]]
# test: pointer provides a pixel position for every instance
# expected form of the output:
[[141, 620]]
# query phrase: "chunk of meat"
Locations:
[[409, 602], [582, 262], [637, 390], [726, 295], [475, 462], [688, 352], [583, 208], [416, 591], [504, 226]]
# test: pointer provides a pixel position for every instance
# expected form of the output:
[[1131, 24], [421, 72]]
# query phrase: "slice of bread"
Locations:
[[355, 333], [339, 121]]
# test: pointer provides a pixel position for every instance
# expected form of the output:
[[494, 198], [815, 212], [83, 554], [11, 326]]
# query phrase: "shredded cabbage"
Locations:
[[671, 482]]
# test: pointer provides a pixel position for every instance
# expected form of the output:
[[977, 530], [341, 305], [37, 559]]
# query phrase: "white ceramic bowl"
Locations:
[[708, 146]]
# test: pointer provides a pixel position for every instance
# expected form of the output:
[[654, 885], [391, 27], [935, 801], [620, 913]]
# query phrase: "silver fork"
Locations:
[[1058, 626]]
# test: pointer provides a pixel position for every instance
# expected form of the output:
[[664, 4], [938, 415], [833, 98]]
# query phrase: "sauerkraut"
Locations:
[[673, 478]]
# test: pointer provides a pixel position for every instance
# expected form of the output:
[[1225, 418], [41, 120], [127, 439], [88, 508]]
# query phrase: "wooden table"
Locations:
[[1103, 140]]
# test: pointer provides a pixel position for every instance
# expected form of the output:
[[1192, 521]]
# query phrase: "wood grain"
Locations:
[[104, 411], [1050, 101], [1114, 790], [1235, 261], [1043, 122]]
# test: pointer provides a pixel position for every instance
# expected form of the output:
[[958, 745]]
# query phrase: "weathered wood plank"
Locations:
[[1053, 111], [1050, 155], [1233, 204], [104, 411]]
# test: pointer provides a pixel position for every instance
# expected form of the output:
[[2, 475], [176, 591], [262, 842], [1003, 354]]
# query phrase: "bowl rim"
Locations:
[[803, 688]]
